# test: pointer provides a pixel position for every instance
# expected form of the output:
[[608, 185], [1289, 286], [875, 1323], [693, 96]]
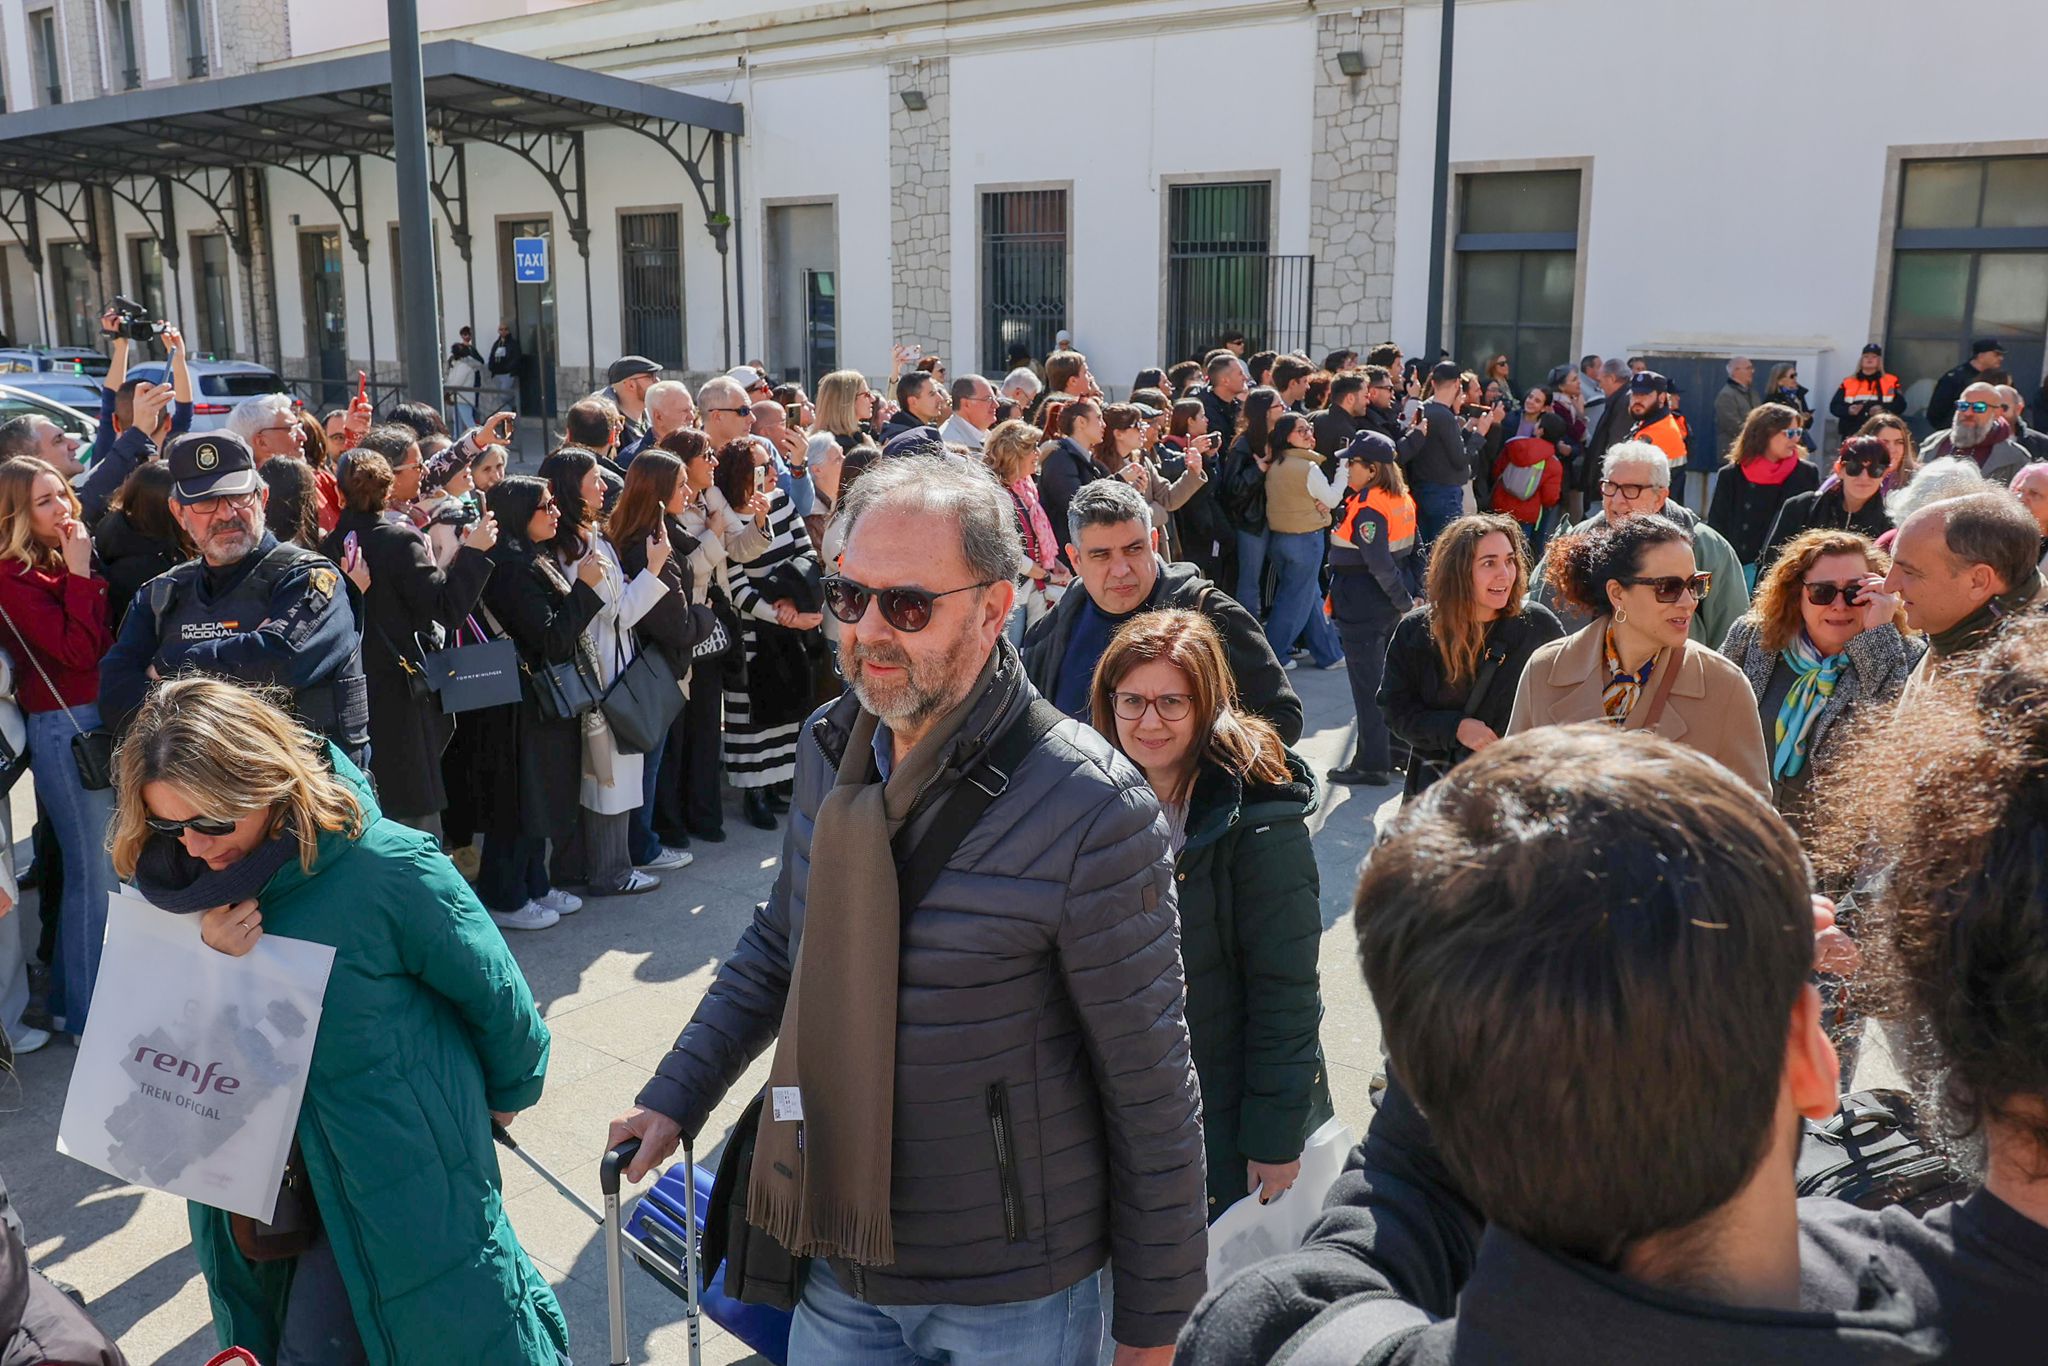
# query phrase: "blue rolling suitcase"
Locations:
[[665, 1220]]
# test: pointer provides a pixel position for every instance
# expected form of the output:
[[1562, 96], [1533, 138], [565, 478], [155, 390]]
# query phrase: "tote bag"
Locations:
[[483, 673], [192, 1068]]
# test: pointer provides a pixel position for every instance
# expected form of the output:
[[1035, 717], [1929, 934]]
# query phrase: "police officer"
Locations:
[[1372, 549], [250, 608]]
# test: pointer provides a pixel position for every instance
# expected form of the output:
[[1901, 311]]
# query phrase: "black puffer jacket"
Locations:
[[38, 1325], [1424, 710], [1041, 980]]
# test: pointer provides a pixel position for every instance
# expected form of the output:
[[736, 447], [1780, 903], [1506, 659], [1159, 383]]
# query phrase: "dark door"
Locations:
[[531, 311], [210, 291], [326, 314], [651, 280]]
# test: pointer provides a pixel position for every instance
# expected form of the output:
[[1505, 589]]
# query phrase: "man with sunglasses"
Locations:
[[1114, 549], [1635, 481], [250, 608], [1986, 354], [1980, 433], [980, 1051]]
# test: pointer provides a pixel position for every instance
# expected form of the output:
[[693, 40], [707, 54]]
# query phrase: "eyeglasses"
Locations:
[[1857, 468], [213, 507], [1171, 706], [1668, 588], [1610, 489], [288, 427], [1973, 407], [905, 609], [548, 505], [200, 825], [1821, 593]]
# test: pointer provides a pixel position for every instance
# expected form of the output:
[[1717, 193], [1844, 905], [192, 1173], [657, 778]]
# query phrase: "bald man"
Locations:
[[1980, 433], [2030, 485], [2013, 407]]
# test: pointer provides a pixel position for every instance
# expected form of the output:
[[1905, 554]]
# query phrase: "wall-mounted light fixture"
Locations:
[[913, 100], [1352, 63]]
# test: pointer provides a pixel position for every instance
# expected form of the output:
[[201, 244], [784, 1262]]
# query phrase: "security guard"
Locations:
[[1872, 389], [1372, 566], [1656, 417], [250, 608]]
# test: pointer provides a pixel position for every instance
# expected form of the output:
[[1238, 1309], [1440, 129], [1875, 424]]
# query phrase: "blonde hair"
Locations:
[[838, 396], [232, 753], [1009, 447], [17, 509]]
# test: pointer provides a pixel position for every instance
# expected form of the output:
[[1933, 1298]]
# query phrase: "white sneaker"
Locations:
[[636, 883], [670, 858], [559, 901], [1290, 665], [532, 916], [29, 1040]]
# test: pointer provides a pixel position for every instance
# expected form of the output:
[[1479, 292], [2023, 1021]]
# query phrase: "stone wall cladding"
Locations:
[[252, 32], [1351, 179], [920, 205]]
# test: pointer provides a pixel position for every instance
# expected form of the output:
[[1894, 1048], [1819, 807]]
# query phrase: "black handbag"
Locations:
[[483, 673], [564, 692], [294, 1223], [91, 750], [644, 699]]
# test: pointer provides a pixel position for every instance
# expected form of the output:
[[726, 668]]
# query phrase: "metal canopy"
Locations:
[[318, 120]]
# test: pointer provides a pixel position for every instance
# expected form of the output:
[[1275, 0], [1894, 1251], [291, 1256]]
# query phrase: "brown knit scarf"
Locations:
[[821, 1174]]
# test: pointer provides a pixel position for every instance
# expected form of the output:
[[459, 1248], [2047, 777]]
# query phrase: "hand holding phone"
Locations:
[[351, 553]]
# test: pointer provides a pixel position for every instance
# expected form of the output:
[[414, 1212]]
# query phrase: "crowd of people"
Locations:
[[1059, 1007]]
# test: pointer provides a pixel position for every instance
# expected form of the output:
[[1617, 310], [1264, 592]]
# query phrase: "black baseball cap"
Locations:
[[1872, 349], [211, 465], [1648, 382], [1983, 344], [625, 367], [1371, 448]]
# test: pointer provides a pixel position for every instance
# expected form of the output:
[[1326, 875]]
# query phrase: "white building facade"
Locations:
[[1677, 180]]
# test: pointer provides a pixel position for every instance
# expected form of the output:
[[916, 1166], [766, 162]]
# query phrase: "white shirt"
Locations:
[[961, 432]]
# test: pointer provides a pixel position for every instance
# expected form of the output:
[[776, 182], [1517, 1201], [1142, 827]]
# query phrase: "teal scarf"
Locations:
[[1813, 684]]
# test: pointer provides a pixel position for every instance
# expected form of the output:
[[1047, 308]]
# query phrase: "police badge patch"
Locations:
[[1368, 531], [322, 581], [206, 457]]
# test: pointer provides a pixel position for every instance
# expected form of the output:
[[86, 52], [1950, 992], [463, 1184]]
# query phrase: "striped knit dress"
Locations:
[[763, 720]]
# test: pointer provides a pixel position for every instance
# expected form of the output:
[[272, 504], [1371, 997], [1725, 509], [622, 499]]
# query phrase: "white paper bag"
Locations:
[[1249, 1232], [193, 1062]]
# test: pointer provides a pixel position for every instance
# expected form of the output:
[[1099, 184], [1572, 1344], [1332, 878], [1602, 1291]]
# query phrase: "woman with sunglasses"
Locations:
[[229, 810], [530, 763], [1821, 639], [1237, 804], [56, 629], [1851, 500], [1635, 664], [1764, 469], [776, 597]]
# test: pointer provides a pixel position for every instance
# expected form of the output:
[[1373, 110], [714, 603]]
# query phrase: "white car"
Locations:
[[217, 385], [15, 402]]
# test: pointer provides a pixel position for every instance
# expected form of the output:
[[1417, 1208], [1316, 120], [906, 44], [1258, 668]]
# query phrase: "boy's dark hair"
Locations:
[[1260, 363], [1384, 355], [1290, 369], [1345, 385], [910, 384], [1585, 946], [1550, 426], [423, 418]]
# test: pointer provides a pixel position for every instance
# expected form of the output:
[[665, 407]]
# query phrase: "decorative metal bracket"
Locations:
[[220, 187], [18, 212], [72, 201], [450, 168], [340, 178], [559, 159], [150, 196]]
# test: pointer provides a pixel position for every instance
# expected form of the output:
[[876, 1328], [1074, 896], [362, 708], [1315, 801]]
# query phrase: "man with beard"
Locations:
[[1980, 433], [990, 986], [250, 608]]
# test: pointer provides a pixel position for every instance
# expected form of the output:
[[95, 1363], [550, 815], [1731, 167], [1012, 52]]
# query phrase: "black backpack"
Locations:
[[1873, 1154]]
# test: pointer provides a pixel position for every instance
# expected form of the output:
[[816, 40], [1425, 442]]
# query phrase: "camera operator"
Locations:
[[136, 417]]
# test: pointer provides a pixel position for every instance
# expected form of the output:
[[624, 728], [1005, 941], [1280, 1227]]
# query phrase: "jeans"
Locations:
[[1297, 598], [645, 846], [1251, 563], [1436, 507], [80, 819], [319, 1327], [832, 1328]]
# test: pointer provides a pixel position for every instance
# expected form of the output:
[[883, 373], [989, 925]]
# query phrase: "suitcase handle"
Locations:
[[615, 1162]]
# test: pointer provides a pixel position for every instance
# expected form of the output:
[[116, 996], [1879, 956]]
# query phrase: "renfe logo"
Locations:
[[165, 1062]]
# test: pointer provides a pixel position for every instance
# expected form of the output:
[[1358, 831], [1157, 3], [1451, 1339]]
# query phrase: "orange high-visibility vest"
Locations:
[[1398, 510], [1870, 388], [1667, 434]]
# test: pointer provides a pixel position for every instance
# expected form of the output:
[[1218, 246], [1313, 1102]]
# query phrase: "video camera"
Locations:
[[135, 322]]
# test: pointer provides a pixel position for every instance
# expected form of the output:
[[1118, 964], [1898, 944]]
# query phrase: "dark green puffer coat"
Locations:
[[1250, 926]]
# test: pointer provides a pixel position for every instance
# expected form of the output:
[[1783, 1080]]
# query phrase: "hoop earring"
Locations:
[[1620, 617]]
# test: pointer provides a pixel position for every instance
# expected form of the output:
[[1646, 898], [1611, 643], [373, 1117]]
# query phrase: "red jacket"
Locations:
[[63, 618], [1526, 452]]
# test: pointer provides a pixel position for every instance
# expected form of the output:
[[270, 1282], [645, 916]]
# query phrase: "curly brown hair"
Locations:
[[1952, 795], [1774, 607]]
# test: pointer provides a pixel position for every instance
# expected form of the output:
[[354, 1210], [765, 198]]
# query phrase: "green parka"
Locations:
[[1250, 928], [426, 1027]]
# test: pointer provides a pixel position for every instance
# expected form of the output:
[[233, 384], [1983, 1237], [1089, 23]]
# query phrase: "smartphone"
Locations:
[[794, 412], [351, 552], [362, 385], [761, 478]]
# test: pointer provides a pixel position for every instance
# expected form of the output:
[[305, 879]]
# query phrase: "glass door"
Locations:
[[531, 311], [326, 313]]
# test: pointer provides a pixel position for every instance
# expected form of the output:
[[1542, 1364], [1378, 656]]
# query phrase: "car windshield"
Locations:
[[84, 365], [242, 385]]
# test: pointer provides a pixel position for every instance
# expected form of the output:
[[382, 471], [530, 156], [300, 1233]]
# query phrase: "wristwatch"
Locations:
[[799, 471]]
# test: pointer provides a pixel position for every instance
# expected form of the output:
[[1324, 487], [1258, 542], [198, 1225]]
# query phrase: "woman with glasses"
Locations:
[[846, 415], [1237, 804], [230, 811], [1784, 389], [1203, 532], [531, 762], [1635, 664], [54, 625], [778, 601], [1851, 500], [1821, 639], [1764, 469]]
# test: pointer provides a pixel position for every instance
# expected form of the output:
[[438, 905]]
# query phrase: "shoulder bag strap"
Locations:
[[1660, 690], [41, 672], [1349, 1330], [986, 781]]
